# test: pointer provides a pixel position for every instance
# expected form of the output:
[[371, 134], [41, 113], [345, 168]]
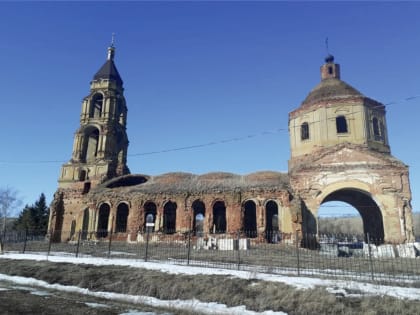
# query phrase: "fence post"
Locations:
[[147, 242], [297, 253], [78, 244], [189, 247], [370, 257], [239, 256], [109, 243]]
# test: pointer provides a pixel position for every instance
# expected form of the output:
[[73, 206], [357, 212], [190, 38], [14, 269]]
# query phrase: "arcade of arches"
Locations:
[[259, 216]]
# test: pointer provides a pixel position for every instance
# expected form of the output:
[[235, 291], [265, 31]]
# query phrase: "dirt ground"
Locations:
[[256, 295]]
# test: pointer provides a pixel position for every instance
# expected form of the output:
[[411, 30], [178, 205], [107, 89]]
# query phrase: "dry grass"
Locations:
[[256, 295]]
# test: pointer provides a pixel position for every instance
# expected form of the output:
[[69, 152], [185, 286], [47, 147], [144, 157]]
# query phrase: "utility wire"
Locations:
[[262, 133], [207, 144]]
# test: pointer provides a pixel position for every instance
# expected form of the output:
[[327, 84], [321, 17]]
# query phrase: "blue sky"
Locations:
[[196, 73]]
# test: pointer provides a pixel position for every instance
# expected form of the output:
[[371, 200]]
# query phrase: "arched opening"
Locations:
[[341, 124], [169, 217], [377, 129], [86, 188], [250, 219], [103, 218], [90, 144], [304, 131], [149, 214], [96, 106], [363, 203], [82, 175], [199, 213], [85, 225], [72, 229], [122, 216], [219, 217], [272, 234]]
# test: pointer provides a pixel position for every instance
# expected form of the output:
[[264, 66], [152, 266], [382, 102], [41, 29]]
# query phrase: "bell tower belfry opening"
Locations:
[[100, 143], [340, 152]]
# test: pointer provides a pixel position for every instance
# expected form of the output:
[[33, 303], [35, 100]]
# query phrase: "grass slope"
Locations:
[[256, 295]]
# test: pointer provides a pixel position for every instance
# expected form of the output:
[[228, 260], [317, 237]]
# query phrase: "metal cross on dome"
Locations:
[[113, 40]]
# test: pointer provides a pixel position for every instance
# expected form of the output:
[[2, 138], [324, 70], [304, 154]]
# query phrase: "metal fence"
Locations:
[[344, 257]]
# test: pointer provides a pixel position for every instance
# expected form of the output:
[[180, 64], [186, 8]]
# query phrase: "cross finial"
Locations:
[[329, 58], [111, 48], [113, 40]]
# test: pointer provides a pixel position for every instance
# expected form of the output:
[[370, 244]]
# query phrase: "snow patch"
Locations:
[[193, 305], [134, 312], [96, 305], [40, 293]]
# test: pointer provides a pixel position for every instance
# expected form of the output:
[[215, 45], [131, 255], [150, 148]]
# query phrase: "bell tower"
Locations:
[[100, 143]]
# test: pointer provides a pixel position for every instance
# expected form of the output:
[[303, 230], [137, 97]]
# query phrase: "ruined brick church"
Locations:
[[339, 152]]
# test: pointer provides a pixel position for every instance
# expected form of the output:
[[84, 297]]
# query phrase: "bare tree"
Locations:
[[9, 201]]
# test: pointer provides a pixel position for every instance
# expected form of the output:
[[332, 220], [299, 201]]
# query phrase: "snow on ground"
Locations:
[[134, 312], [96, 305], [194, 305], [342, 287]]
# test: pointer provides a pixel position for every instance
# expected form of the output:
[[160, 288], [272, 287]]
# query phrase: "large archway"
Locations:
[[122, 218], [271, 222], [250, 219], [103, 219], [369, 211], [219, 217], [149, 215], [169, 217], [199, 213]]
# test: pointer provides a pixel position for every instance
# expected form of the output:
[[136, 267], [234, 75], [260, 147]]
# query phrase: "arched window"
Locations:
[[341, 124], [91, 145], [103, 219], [219, 217], [250, 219], [169, 217], [272, 222], [376, 129], [82, 175], [85, 226], [199, 212], [304, 131], [96, 106], [122, 216], [149, 214]]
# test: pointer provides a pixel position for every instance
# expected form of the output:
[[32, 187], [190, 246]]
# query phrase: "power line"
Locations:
[[202, 145], [195, 146]]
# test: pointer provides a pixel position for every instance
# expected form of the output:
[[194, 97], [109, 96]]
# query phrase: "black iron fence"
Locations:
[[344, 257]]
